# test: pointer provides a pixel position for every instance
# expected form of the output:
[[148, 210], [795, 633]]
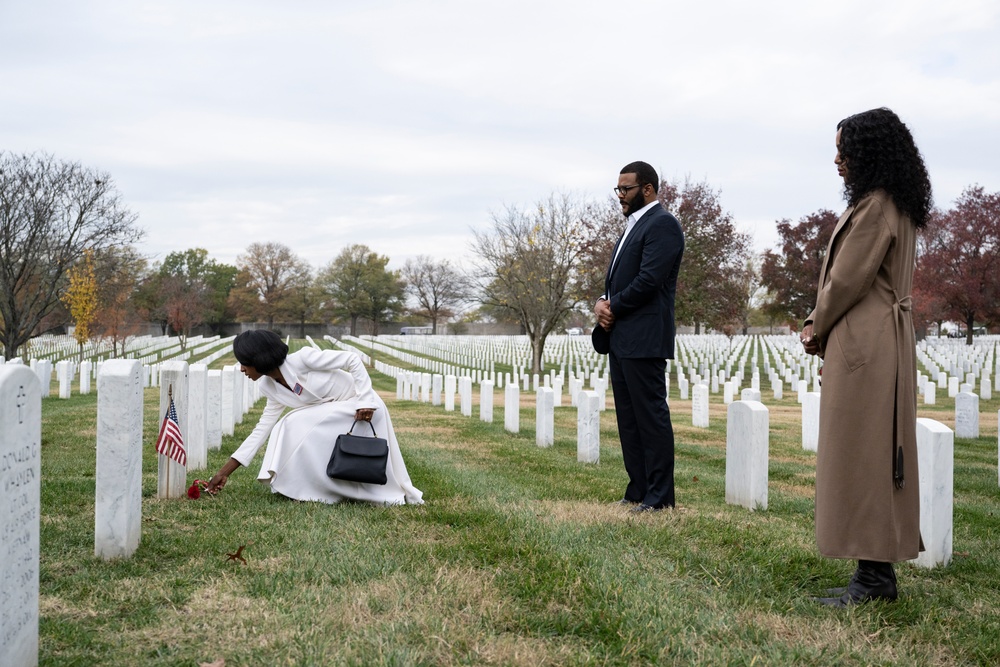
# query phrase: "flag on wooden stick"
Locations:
[[170, 442]]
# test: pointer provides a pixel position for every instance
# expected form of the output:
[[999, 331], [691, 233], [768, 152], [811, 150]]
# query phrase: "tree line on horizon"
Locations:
[[69, 256]]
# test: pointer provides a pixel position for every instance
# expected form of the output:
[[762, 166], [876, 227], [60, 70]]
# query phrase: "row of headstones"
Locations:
[[118, 480], [437, 390], [66, 371], [479, 368]]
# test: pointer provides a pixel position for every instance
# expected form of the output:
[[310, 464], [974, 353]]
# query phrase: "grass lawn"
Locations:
[[518, 557]]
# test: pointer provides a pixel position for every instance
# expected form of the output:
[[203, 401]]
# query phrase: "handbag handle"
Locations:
[[351, 432]]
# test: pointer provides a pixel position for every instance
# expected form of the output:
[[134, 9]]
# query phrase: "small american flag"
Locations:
[[170, 443]]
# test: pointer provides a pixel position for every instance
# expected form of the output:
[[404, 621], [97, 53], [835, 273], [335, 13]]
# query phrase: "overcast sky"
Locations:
[[403, 125]]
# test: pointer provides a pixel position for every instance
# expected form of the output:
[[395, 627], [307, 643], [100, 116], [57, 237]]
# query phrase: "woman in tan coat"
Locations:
[[867, 495]]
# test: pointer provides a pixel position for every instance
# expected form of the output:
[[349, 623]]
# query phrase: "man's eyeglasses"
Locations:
[[621, 191]]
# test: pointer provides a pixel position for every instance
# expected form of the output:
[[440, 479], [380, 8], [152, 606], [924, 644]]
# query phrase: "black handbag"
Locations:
[[357, 458]]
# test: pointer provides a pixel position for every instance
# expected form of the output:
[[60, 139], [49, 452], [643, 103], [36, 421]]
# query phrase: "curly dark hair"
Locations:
[[879, 152]]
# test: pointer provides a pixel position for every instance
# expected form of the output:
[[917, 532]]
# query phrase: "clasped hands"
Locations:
[[605, 318], [809, 341]]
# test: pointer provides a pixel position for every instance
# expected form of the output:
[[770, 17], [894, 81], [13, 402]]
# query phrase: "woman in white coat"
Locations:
[[327, 391]]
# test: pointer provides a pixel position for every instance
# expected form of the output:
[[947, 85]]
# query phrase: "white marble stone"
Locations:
[[486, 401], [239, 404], [544, 417], [930, 393], [777, 388], [213, 410], [465, 395], [803, 389], [226, 404], [557, 385], [699, 406], [400, 381], [65, 378], [43, 369], [20, 513], [575, 387], [588, 428], [425, 387], [436, 389], [86, 368], [952, 387], [727, 393], [450, 383], [512, 408], [171, 476], [118, 480], [810, 421], [196, 439], [936, 464], [750, 394], [682, 387], [985, 389], [966, 415], [746, 454]]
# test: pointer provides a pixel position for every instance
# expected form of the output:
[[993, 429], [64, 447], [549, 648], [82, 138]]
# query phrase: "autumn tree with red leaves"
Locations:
[[958, 269], [712, 283], [791, 272]]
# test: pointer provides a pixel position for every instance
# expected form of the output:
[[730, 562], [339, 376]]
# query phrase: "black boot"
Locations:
[[871, 581], [840, 590]]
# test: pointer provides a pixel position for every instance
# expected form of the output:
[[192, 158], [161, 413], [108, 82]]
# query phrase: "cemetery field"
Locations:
[[518, 557]]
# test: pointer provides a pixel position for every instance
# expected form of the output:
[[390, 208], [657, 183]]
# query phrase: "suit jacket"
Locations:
[[641, 284]]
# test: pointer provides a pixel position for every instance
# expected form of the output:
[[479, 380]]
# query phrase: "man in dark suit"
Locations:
[[636, 320]]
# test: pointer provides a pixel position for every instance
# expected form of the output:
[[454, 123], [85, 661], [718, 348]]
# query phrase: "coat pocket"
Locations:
[[852, 348]]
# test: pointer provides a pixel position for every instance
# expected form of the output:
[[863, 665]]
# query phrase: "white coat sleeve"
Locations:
[[272, 412], [340, 360]]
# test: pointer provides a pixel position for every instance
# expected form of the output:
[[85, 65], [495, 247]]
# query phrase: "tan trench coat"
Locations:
[[868, 399]]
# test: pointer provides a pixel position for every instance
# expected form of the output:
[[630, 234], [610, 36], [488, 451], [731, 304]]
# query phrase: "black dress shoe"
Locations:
[[872, 581], [625, 502]]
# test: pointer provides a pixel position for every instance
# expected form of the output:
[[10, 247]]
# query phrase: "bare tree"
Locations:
[[528, 266], [437, 287], [50, 212], [265, 285]]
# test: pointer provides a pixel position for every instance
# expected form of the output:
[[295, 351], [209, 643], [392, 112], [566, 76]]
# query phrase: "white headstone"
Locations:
[[436, 389], [196, 438], [118, 482], [465, 395], [450, 382], [544, 417], [936, 465], [588, 428], [171, 478], [966, 415], [930, 393], [213, 410], [699, 406], [512, 408], [20, 499], [777, 388], [727, 393], [750, 395], [810, 421], [746, 454], [226, 404], [63, 373], [985, 389], [952, 387], [86, 368], [803, 387], [44, 371], [486, 401]]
